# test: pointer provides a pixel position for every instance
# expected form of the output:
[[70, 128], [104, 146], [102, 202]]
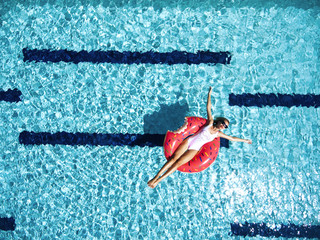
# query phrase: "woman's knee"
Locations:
[[174, 157], [186, 157], [180, 162]]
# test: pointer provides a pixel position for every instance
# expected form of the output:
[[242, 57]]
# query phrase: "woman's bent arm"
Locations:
[[234, 139]]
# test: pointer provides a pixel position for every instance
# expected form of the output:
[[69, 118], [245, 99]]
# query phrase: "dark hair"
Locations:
[[220, 119]]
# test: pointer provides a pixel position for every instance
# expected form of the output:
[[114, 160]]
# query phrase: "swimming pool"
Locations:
[[100, 192]]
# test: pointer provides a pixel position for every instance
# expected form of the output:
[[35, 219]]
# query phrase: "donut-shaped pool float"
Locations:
[[206, 155]]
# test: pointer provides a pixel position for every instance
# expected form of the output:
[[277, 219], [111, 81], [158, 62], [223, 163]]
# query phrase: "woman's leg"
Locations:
[[183, 147], [186, 157]]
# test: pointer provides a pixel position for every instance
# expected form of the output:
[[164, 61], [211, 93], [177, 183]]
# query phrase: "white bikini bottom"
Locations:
[[195, 143]]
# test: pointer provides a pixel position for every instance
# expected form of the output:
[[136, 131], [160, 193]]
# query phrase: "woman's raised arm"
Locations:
[[209, 114]]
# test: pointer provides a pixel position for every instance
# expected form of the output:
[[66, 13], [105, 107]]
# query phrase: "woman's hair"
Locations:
[[220, 119]]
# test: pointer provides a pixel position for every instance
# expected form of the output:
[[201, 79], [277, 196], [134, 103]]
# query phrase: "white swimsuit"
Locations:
[[196, 141]]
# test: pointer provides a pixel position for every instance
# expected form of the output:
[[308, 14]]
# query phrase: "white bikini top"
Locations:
[[205, 135]]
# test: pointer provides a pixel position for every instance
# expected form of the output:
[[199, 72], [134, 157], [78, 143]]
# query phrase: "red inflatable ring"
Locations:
[[206, 155]]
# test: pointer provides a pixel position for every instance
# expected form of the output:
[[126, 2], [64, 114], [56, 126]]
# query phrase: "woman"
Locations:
[[191, 145]]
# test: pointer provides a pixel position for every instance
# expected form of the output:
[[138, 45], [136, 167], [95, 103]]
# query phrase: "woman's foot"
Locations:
[[151, 182]]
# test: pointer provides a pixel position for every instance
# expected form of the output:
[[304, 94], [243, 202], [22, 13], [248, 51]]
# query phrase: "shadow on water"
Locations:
[[169, 117]]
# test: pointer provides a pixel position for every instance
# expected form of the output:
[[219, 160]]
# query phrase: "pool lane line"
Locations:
[[283, 230], [126, 57], [95, 139], [11, 95], [7, 224], [279, 100]]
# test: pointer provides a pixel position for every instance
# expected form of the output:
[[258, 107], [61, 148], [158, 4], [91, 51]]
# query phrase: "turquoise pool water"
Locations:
[[95, 192]]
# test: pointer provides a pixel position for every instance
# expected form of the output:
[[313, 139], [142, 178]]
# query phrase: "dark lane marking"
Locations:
[[287, 231], [7, 224], [174, 57], [10, 95], [96, 139], [280, 100]]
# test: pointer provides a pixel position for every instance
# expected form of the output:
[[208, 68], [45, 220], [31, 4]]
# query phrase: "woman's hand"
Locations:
[[248, 141]]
